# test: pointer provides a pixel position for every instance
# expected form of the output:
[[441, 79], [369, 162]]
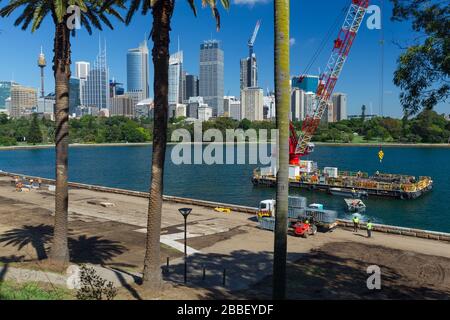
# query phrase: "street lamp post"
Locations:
[[185, 213]]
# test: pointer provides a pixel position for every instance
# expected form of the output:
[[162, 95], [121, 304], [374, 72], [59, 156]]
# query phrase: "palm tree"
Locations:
[[162, 11], [282, 96], [92, 14]]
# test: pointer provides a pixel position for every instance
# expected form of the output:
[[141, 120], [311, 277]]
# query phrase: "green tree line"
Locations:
[[427, 127]]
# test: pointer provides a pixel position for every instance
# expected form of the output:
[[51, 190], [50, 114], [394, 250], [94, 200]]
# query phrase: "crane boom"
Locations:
[[251, 41], [328, 79]]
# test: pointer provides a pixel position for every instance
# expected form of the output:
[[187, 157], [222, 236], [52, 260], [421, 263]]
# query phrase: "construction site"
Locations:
[[306, 174], [229, 255]]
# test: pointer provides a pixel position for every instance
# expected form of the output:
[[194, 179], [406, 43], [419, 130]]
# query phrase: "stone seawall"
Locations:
[[408, 232]]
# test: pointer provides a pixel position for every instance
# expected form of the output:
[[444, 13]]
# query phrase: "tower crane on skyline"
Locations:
[[301, 146], [251, 41]]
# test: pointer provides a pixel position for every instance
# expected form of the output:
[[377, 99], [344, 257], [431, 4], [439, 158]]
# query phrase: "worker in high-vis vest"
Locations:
[[355, 224], [369, 229]]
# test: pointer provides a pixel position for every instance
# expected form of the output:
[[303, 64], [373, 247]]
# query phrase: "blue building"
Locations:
[[5, 92], [138, 71], [307, 83], [211, 84], [74, 95]]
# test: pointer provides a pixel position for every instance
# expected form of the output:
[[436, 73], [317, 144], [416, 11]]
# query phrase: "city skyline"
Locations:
[[360, 79]]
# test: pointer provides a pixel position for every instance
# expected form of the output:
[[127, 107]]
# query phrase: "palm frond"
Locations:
[[192, 5], [134, 6]]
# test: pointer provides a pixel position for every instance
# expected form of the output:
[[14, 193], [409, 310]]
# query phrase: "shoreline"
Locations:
[[325, 144], [405, 231]]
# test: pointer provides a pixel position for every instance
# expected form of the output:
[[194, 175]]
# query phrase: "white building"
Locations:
[[252, 104], [232, 108], [82, 69], [298, 110], [181, 111], [339, 106], [269, 104], [310, 103], [144, 109], [192, 107], [176, 92], [204, 113], [46, 105]]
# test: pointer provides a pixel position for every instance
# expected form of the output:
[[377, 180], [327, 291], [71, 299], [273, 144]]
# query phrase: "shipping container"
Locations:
[[268, 224], [297, 202], [321, 216], [294, 213]]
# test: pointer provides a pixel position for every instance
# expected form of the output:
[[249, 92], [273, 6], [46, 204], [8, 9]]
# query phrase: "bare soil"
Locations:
[[339, 271], [327, 266]]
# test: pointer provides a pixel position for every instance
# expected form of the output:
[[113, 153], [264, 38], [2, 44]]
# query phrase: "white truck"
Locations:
[[266, 209]]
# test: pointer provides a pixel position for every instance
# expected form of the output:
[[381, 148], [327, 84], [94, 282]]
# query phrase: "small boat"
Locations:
[[348, 192], [355, 205]]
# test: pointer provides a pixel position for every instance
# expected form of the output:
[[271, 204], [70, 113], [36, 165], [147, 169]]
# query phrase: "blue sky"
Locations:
[[310, 22]]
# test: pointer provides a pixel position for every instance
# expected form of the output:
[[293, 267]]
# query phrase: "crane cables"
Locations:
[[325, 40]]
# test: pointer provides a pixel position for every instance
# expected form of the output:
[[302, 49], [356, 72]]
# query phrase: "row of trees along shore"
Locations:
[[422, 74], [427, 127]]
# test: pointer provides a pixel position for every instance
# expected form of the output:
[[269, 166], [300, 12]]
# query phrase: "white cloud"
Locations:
[[250, 3], [292, 42]]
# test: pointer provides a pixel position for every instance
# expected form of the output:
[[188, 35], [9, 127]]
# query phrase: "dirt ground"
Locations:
[[326, 266], [339, 271], [106, 242]]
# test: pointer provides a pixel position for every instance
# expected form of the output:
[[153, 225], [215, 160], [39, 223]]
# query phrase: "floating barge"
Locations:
[[307, 176]]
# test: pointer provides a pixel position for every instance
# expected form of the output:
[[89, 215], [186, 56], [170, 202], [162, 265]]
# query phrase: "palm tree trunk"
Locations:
[[282, 89], [61, 68], [162, 14]]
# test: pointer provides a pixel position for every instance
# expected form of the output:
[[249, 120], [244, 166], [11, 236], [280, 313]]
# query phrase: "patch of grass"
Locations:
[[31, 291]]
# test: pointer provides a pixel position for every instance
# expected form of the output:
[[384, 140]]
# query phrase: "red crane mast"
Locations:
[[301, 146]]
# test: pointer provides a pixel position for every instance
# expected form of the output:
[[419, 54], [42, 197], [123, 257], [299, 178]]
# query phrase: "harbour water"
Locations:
[[128, 167]]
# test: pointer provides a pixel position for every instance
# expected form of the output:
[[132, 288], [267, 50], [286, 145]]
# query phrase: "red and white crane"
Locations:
[[301, 146]]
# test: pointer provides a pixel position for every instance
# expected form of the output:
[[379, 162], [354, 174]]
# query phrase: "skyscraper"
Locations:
[[82, 69], [74, 95], [23, 100], [191, 87], [339, 106], [138, 71], [122, 106], [298, 110], [97, 84], [232, 108], [5, 92], [310, 103], [252, 104], [175, 78], [249, 72], [211, 75]]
